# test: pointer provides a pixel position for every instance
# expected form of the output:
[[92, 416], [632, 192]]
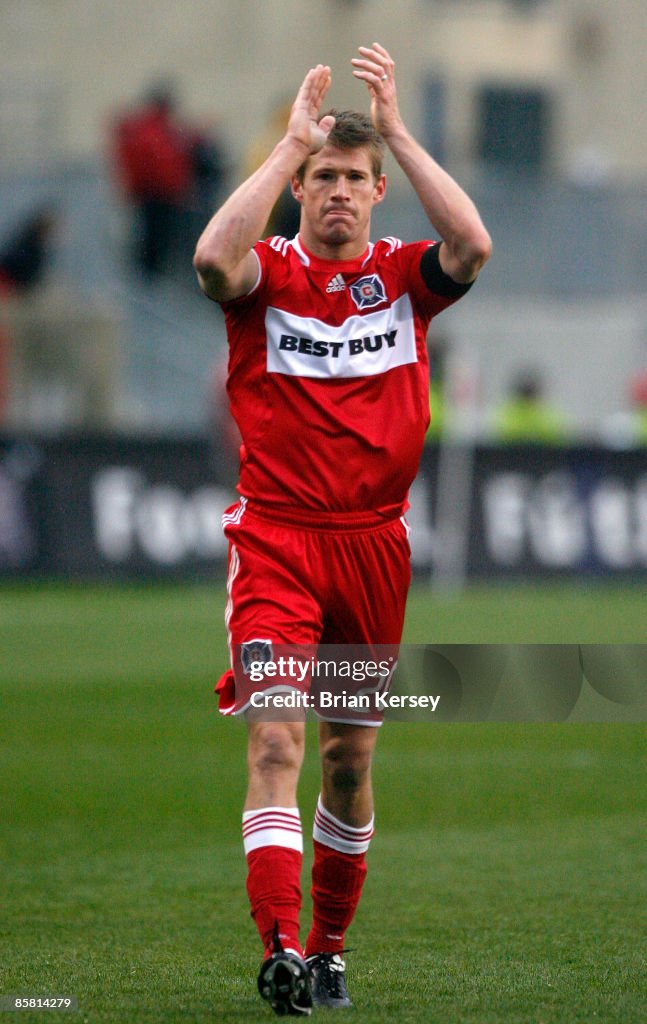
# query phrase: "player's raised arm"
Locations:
[[223, 260], [466, 243]]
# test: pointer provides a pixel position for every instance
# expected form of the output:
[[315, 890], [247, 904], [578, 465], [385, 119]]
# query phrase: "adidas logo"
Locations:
[[336, 284]]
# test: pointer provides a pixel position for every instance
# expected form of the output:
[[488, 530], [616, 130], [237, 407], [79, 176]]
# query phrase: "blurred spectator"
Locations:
[[170, 173], [25, 254], [58, 348], [154, 165], [638, 397], [454, 390], [284, 219], [628, 429], [527, 417], [210, 166], [437, 348], [23, 262]]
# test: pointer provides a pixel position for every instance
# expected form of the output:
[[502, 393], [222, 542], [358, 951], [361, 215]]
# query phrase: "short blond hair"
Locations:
[[353, 130]]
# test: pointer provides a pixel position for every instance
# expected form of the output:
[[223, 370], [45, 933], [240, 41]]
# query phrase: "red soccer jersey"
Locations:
[[328, 375]]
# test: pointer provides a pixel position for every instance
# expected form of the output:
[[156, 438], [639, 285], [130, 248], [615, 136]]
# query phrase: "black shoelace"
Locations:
[[333, 972]]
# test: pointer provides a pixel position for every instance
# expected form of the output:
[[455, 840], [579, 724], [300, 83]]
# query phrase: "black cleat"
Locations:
[[328, 980], [284, 981]]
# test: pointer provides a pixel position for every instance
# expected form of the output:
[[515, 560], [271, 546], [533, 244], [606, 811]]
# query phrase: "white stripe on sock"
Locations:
[[272, 826], [334, 833]]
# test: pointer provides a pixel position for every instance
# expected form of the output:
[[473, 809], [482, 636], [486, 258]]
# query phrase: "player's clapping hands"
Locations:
[[376, 67], [303, 123]]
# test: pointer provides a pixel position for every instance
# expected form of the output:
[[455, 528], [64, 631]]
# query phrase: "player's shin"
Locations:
[[338, 874], [273, 845]]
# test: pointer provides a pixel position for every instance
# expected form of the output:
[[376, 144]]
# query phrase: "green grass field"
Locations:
[[507, 875]]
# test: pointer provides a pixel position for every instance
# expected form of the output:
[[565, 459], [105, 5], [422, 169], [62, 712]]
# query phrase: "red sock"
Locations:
[[338, 875], [273, 847]]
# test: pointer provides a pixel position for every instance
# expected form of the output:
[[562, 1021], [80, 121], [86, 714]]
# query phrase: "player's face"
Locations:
[[337, 195]]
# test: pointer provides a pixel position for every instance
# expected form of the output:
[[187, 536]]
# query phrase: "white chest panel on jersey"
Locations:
[[363, 346]]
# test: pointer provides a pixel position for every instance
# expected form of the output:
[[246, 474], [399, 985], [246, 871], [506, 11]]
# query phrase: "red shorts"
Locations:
[[331, 579]]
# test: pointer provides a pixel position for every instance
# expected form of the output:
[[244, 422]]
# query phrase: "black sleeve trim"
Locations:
[[436, 279]]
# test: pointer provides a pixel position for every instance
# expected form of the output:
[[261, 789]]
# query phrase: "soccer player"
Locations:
[[328, 383]]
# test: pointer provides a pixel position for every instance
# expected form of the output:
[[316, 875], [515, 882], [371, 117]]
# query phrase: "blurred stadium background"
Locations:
[[123, 853], [111, 374]]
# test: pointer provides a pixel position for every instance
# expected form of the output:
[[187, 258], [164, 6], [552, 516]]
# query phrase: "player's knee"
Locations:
[[275, 749], [346, 766], [347, 779]]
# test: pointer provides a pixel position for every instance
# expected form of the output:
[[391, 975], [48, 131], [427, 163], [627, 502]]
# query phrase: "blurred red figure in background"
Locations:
[[153, 155]]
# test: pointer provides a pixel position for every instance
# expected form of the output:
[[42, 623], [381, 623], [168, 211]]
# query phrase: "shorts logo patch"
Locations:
[[368, 291], [255, 652]]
